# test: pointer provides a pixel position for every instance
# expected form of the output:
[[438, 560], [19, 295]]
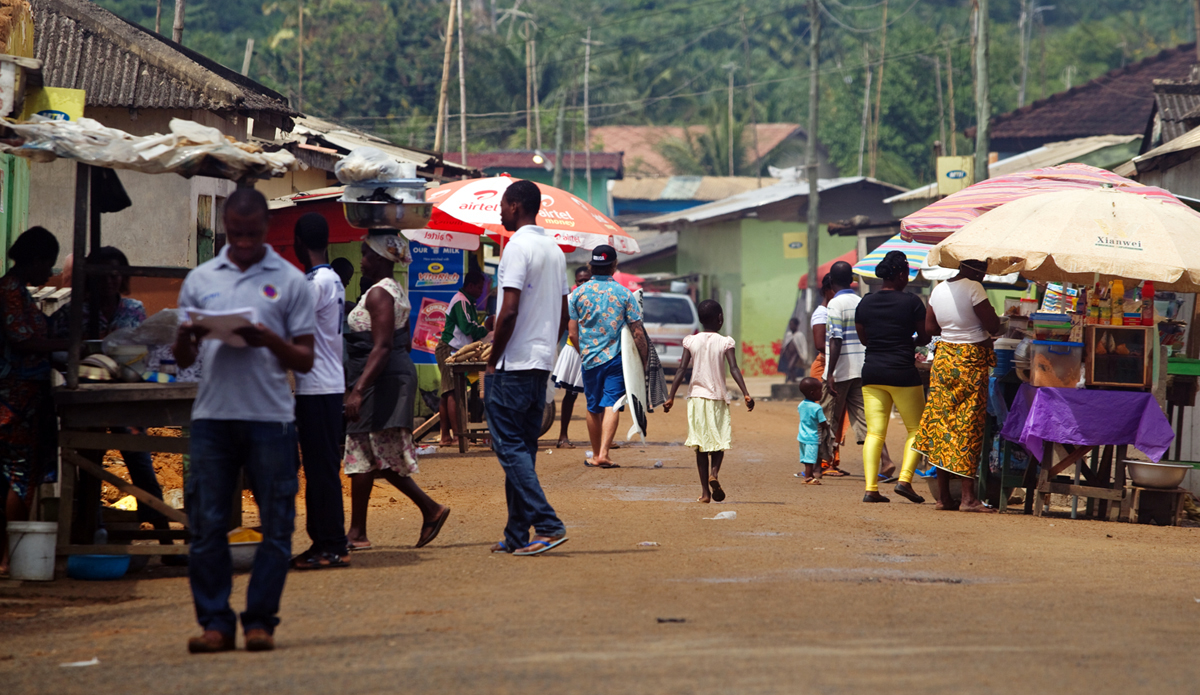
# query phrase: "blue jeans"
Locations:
[[220, 451], [515, 402]]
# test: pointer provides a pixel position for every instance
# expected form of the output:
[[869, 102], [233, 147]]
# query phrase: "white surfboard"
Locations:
[[635, 381]]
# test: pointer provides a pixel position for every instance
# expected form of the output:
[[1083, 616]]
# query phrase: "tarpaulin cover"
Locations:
[[1087, 418]]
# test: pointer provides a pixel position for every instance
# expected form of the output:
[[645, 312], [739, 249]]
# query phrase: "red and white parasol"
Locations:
[[465, 210]]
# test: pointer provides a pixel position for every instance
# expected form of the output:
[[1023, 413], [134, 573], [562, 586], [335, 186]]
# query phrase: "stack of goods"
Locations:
[[1057, 361], [475, 352]]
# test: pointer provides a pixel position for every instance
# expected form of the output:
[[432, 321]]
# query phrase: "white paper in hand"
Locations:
[[222, 324]]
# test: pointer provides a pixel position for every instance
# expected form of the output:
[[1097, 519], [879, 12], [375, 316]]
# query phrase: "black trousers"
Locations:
[[320, 430]]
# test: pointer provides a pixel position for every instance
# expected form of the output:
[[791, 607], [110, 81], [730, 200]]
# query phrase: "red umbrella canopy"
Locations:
[[628, 280], [850, 257], [472, 207], [939, 220]]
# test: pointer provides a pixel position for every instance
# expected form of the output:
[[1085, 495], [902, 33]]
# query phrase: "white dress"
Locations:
[[568, 370]]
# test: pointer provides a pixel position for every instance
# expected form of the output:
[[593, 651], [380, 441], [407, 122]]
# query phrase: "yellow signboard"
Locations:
[[954, 174], [55, 103], [795, 245]]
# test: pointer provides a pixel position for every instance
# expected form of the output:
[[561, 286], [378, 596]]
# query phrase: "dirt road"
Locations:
[[807, 590]]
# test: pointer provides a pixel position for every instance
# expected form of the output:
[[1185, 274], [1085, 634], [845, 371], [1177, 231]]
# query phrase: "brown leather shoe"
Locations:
[[212, 642], [259, 640]]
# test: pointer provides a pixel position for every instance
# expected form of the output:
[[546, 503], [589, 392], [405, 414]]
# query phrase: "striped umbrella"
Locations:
[[939, 220], [915, 251]]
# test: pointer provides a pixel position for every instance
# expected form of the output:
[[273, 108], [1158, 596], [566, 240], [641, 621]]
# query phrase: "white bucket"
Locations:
[[31, 550]]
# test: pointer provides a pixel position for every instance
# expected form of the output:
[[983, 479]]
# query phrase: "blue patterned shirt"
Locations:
[[602, 307]]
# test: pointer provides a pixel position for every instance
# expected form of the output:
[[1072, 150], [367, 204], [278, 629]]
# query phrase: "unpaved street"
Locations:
[[807, 590]]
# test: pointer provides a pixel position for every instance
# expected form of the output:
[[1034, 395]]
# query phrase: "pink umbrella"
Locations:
[[935, 222]]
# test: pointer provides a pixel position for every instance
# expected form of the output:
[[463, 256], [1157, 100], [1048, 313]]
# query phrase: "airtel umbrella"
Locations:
[[465, 210]]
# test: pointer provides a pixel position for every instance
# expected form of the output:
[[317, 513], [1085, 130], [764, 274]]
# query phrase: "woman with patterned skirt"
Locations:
[[951, 432]]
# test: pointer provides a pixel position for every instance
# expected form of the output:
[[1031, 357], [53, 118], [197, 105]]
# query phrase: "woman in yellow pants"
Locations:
[[891, 323]]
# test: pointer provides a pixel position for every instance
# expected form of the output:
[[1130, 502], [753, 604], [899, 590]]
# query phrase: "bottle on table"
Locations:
[[1147, 303], [1118, 302]]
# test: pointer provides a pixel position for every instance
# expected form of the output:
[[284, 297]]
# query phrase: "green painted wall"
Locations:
[[600, 178], [769, 287], [715, 253], [665, 264], [14, 204]]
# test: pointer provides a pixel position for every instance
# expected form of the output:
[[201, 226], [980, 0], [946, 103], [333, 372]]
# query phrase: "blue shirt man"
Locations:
[[599, 310], [243, 418]]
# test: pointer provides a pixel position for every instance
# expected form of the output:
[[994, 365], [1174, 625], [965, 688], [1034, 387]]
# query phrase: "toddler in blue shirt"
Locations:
[[812, 425]]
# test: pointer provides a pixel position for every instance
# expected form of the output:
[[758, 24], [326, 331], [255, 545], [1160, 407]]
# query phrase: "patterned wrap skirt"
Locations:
[[951, 432]]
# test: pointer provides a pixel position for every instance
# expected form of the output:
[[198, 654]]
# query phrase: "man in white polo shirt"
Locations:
[[319, 403], [244, 419], [532, 278]]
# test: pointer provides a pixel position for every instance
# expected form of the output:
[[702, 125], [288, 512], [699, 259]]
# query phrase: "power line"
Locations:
[[857, 30]]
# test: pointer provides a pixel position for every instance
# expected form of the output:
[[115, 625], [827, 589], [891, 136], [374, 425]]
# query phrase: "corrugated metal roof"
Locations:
[[1047, 156], [1176, 101], [120, 64], [703, 188], [752, 200], [523, 159], [345, 139], [1153, 159]]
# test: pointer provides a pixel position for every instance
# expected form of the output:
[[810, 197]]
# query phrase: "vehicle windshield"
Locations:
[[658, 309]]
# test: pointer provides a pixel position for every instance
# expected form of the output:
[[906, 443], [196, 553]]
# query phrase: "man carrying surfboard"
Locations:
[[599, 310]]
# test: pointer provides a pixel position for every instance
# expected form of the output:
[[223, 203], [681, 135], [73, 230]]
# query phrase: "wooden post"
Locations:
[[444, 92], [537, 101], [528, 88], [462, 86], [750, 95], [937, 73], [587, 133], [1196, 19], [79, 249], [879, 93], [731, 67], [950, 96], [866, 114], [177, 29], [983, 107], [810, 158], [158, 17], [246, 58], [300, 48], [558, 141]]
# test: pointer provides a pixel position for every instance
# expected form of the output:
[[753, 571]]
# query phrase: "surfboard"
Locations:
[[635, 380]]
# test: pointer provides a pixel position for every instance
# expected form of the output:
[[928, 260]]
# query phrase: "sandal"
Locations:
[[718, 494], [812, 481], [430, 531], [545, 545], [500, 548], [319, 561], [359, 545], [836, 473]]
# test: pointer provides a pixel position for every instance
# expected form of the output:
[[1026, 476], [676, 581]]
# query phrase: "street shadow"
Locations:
[[385, 558]]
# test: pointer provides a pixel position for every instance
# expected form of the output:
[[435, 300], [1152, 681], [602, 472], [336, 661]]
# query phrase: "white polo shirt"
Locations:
[[248, 383], [533, 264], [327, 376]]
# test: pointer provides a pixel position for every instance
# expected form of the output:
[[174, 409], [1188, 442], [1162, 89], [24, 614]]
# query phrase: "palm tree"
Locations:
[[704, 150]]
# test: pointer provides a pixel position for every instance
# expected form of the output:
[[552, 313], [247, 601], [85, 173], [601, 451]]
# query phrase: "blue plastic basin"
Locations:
[[97, 567]]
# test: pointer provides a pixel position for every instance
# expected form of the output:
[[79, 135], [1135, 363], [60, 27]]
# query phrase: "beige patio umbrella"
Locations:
[[1071, 236]]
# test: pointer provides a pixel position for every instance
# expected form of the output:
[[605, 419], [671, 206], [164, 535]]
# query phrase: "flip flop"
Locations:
[[813, 481], [609, 465], [435, 527], [835, 473], [368, 546], [718, 494], [500, 547], [545, 545], [890, 479]]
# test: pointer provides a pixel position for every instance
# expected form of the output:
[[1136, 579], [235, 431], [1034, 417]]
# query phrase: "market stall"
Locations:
[[97, 417], [1093, 354]]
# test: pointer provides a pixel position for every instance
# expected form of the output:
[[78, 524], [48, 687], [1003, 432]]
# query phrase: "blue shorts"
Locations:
[[808, 452], [603, 386]]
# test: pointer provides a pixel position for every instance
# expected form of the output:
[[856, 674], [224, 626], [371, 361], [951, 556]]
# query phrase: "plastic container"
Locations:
[[97, 567], [31, 550], [1056, 364], [1056, 332], [1005, 351]]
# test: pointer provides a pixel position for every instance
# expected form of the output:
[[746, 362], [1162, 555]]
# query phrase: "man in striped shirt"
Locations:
[[844, 358]]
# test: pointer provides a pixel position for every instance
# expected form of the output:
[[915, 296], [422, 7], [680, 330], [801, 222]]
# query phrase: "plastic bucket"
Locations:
[[31, 550]]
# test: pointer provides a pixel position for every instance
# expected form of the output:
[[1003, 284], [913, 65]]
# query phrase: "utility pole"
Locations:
[[248, 56], [537, 102], [528, 88], [1022, 26], [558, 141], [983, 107], [730, 67], [937, 73], [750, 86], [177, 29], [444, 94], [950, 87], [866, 114], [462, 86], [810, 159], [158, 17], [587, 133], [300, 44], [879, 94], [1196, 19]]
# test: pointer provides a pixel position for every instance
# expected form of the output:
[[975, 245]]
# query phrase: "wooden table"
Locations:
[[85, 414], [460, 371], [1103, 483]]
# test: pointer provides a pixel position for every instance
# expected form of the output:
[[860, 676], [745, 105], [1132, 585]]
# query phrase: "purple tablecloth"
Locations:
[[1088, 418]]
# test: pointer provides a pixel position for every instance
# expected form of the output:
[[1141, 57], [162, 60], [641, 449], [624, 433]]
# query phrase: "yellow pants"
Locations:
[[877, 406]]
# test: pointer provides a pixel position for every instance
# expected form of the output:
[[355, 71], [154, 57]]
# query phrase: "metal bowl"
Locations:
[[1166, 475], [242, 555]]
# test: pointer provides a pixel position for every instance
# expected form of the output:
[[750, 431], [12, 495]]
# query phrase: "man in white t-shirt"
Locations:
[[532, 278], [845, 355], [319, 403]]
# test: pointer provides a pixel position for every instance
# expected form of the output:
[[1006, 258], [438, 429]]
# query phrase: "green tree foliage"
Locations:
[[377, 64]]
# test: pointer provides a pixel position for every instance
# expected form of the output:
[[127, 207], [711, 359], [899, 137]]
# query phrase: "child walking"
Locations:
[[709, 428], [813, 426]]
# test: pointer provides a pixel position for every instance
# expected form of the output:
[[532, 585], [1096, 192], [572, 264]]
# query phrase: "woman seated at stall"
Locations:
[[381, 394], [951, 432], [114, 312], [27, 436]]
